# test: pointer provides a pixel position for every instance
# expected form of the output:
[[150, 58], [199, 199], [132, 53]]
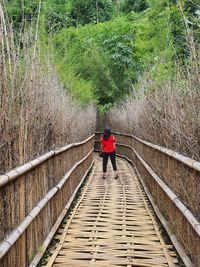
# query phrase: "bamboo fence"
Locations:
[[172, 182], [35, 197]]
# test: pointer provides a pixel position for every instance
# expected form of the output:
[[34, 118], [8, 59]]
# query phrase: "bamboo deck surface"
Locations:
[[112, 224]]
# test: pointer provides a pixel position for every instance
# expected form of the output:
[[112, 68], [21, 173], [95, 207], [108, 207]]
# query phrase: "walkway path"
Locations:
[[112, 224]]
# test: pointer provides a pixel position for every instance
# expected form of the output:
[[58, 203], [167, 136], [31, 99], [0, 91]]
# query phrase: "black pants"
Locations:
[[106, 155]]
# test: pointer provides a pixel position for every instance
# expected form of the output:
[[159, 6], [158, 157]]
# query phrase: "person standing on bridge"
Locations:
[[108, 150]]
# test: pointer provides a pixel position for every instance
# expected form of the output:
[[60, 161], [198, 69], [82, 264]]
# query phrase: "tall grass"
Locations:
[[36, 113], [165, 113]]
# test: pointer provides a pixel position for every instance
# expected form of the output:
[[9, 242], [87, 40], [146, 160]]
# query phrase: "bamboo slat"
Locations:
[[51, 234], [12, 238], [112, 225], [183, 159], [34, 196], [185, 211], [4, 179], [172, 181]]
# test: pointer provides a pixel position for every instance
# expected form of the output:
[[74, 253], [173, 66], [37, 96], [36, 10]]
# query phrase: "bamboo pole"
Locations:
[[183, 159], [6, 178], [51, 234], [180, 205], [7, 46], [14, 236], [155, 183], [164, 222]]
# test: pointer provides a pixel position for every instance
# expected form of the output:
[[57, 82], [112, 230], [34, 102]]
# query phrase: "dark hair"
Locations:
[[106, 133]]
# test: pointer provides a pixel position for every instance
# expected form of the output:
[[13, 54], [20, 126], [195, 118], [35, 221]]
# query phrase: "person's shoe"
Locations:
[[116, 176]]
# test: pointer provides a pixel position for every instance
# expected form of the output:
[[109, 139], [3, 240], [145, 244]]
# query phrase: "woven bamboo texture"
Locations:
[[112, 224], [33, 196], [172, 181]]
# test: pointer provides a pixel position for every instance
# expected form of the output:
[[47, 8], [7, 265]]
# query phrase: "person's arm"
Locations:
[[114, 142], [101, 142]]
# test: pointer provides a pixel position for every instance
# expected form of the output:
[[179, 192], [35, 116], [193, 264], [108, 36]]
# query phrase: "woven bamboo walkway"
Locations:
[[112, 224]]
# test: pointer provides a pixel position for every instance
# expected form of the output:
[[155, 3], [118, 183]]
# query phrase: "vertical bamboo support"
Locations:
[[168, 176], [35, 195]]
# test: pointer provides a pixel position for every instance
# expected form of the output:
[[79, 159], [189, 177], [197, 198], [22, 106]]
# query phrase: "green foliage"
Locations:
[[116, 41], [56, 15], [21, 12], [178, 32], [80, 88], [102, 54], [136, 5], [161, 37], [102, 47], [87, 11], [192, 13]]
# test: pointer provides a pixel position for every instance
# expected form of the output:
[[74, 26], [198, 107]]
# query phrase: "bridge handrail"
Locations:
[[13, 174], [183, 159], [35, 197], [14, 236], [180, 205], [170, 180]]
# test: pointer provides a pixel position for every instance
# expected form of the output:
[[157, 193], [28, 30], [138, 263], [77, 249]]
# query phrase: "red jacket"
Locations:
[[108, 145]]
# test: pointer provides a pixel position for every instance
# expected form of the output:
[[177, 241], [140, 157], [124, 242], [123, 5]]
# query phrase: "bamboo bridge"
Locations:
[[59, 206]]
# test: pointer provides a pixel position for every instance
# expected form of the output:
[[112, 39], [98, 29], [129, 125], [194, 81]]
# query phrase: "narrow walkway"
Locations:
[[112, 224]]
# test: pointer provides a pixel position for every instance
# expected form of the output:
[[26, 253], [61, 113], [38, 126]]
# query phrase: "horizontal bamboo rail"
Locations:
[[58, 222], [165, 174], [112, 225], [35, 197]]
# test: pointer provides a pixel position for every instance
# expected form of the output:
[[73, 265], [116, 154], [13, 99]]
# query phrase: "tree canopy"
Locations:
[[102, 47]]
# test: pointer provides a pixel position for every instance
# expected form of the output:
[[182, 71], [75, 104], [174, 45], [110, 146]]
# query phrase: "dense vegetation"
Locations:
[[109, 51], [102, 47], [36, 113]]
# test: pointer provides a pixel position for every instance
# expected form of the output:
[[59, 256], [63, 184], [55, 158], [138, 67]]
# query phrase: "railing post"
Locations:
[[34, 196], [172, 183]]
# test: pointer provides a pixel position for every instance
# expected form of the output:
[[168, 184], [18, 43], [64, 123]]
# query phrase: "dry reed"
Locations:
[[166, 114], [36, 113]]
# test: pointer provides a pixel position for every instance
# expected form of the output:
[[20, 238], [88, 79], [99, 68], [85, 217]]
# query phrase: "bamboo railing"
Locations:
[[34, 199], [172, 182]]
